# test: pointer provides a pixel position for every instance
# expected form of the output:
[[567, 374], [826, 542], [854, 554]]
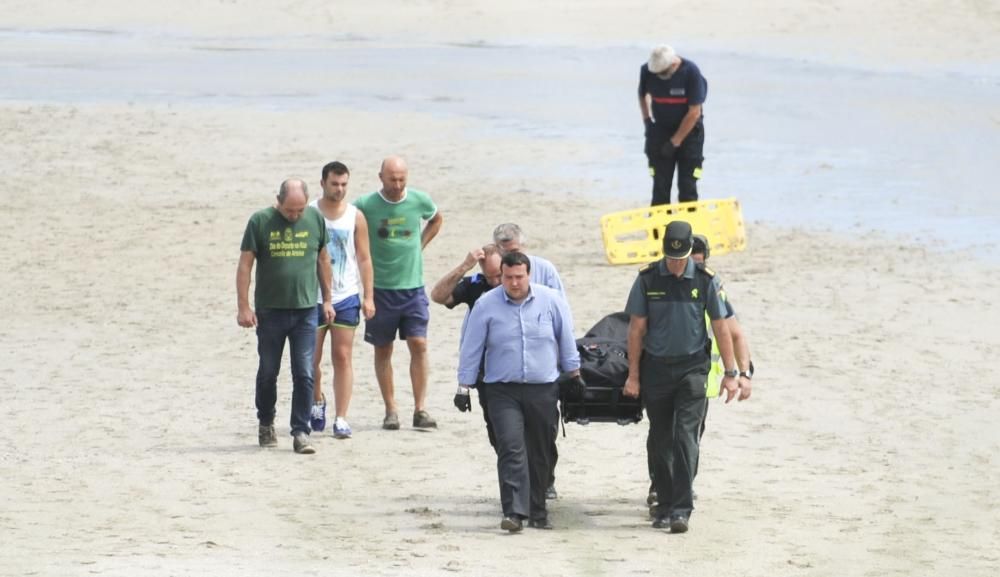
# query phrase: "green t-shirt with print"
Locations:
[[394, 230], [286, 253]]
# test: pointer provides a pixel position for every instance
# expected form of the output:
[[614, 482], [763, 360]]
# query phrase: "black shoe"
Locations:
[[422, 420], [512, 524], [550, 493], [540, 523], [661, 522], [679, 524]]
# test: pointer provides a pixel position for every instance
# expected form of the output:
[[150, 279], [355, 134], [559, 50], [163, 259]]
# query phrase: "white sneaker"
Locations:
[[341, 430]]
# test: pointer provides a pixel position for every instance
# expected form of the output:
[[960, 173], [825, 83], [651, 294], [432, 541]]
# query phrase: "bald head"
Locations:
[[393, 163], [393, 175], [292, 198], [490, 264]]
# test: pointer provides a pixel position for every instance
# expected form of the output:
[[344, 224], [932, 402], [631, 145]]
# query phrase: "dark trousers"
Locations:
[[524, 417], [701, 432], [674, 395], [554, 451], [649, 448], [687, 159], [274, 326], [486, 415]]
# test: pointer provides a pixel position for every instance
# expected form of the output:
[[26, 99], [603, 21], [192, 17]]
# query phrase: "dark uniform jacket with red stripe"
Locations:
[[672, 96]]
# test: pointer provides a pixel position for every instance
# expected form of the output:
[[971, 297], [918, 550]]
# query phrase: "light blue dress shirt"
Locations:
[[528, 342], [544, 272]]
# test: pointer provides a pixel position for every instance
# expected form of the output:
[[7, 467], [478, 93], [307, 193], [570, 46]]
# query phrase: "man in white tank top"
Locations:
[[350, 263]]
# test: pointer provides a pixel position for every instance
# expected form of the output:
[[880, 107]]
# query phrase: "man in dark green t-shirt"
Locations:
[[288, 241]]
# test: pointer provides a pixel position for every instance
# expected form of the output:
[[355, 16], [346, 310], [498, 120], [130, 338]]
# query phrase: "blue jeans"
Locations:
[[273, 327]]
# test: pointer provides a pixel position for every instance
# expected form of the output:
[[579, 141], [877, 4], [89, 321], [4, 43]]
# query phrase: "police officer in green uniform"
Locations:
[[669, 359]]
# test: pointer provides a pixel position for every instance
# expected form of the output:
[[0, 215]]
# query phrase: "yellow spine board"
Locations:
[[636, 236]]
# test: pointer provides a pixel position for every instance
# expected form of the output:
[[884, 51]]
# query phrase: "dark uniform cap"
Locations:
[[699, 245], [677, 241]]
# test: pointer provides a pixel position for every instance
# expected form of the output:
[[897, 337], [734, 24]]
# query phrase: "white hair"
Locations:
[[507, 232], [661, 58]]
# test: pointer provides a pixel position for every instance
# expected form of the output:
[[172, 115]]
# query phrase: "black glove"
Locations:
[[650, 126], [573, 387], [668, 150], [463, 401]]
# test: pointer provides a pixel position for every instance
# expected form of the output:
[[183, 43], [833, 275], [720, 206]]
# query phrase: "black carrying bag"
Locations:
[[604, 367], [613, 327]]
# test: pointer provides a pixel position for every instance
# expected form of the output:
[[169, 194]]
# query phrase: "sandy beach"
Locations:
[[870, 446]]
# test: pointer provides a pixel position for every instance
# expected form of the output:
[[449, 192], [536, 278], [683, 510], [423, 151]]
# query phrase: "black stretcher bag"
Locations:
[[604, 367]]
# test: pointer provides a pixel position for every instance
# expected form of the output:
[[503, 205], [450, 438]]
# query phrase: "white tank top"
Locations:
[[343, 258]]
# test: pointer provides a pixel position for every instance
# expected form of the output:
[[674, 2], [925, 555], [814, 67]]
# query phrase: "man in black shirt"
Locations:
[[455, 288], [671, 93]]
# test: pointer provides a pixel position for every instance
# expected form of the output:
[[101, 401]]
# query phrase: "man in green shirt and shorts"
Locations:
[[394, 216], [288, 241]]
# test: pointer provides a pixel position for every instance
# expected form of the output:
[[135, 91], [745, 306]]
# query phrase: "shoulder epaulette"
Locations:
[[648, 267], [705, 269]]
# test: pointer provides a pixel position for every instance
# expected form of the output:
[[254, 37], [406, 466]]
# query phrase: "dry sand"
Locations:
[[869, 448]]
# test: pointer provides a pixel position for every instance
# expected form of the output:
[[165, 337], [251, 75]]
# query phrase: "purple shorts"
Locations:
[[348, 314], [405, 310]]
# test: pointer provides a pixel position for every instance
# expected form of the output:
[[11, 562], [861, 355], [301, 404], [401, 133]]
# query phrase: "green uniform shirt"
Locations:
[[287, 254], [675, 309], [394, 230]]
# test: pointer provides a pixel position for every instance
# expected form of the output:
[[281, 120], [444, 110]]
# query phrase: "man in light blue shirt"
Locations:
[[526, 333], [509, 238]]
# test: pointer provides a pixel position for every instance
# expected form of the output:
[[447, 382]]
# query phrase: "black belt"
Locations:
[[673, 360]]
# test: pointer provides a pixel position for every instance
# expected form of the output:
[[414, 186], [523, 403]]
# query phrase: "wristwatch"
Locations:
[[733, 373], [747, 373]]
